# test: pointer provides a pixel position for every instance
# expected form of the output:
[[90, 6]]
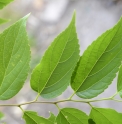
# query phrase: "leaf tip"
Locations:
[[26, 17], [74, 15]]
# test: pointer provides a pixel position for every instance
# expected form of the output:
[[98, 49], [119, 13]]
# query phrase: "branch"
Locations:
[[60, 101]]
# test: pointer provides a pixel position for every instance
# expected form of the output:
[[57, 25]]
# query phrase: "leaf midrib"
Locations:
[[101, 69], [14, 79], [67, 71], [31, 118], [109, 61], [103, 115], [74, 116], [65, 117], [57, 62], [11, 52], [99, 57]]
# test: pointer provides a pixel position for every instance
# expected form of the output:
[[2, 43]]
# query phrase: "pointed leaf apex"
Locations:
[[74, 16], [26, 17], [74, 13]]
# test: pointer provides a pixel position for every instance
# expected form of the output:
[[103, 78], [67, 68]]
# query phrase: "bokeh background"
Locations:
[[48, 18]]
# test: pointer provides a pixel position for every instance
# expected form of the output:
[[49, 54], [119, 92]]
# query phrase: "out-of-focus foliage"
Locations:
[[2, 21], [3, 3]]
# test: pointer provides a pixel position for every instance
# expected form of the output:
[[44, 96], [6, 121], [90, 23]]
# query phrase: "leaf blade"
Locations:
[[71, 116], [52, 117], [32, 117], [15, 59], [99, 64], [105, 116], [52, 76]]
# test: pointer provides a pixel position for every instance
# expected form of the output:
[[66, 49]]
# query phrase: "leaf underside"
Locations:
[[71, 116], [14, 59], [99, 64], [105, 116], [3, 3], [52, 76], [31, 117]]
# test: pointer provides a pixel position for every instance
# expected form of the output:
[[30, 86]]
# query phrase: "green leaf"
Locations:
[[71, 116], [3, 3], [14, 59], [119, 82], [52, 76], [52, 117], [31, 117], [1, 115], [99, 64], [2, 21], [106, 116]]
